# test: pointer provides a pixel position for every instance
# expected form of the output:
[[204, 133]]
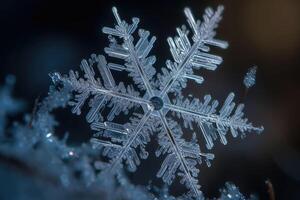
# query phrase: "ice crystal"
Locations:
[[231, 192], [154, 103], [249, 79], [8, 105]]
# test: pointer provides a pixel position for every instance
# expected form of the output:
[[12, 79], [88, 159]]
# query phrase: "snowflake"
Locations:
[[154, 104], [249, 79]]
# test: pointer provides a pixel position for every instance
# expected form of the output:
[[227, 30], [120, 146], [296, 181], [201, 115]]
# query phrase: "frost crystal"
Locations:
[[8, 105], [249, 79], [154, 103], [231, 192]]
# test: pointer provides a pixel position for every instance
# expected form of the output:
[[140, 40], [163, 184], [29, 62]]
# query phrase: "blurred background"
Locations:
[[38, 37]]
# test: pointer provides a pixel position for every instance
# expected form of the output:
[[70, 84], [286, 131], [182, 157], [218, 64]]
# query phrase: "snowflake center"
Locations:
[[157, 103]]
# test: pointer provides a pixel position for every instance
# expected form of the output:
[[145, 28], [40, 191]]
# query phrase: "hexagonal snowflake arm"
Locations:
[[212, 124], [192, 54], [181, 158], [137, 61], [101, 93], [129, 147]]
